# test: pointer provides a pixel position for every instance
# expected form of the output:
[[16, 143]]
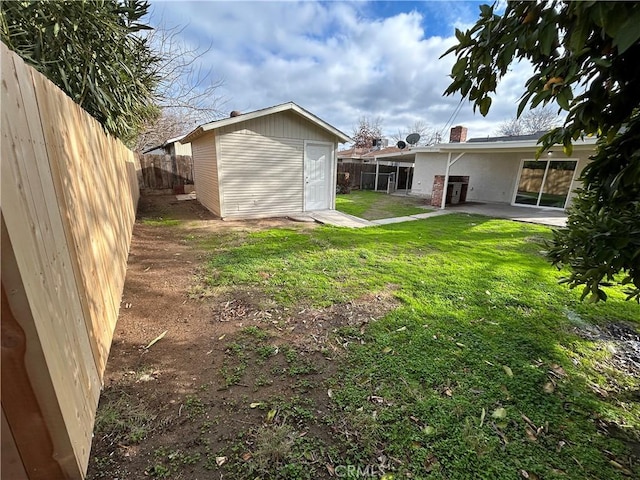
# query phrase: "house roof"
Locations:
[[289, 106], [492, 145], [167, 142]]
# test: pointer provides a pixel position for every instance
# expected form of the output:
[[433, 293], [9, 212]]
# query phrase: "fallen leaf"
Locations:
[[256, 404], [461, 345], [330, 393], [621, 468], [531, 435], [499, 413], [221, 461], [549, 387], [155, 340], [482, 415], [401, 329], [387, 350], [221, 337], [558, 370], [448, 392], [507, 370], [246, 456], [271, 415], [331, 470], [487, 292]]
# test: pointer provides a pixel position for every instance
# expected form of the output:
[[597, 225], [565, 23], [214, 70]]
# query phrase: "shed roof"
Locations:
[[289, 106]]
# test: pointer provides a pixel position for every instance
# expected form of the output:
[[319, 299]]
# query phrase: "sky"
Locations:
[[339, 60]]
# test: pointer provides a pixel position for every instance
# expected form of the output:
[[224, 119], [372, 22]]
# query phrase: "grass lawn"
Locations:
[[478, 372], [376, 205]]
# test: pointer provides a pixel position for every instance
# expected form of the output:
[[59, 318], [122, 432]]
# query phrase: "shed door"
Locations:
[[317, 175]]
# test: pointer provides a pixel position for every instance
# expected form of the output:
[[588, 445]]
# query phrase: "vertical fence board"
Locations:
[[69, 194], [43, 259], [161, 172]]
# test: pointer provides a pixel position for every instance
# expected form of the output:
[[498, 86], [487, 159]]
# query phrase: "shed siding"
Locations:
[[281, 125], [205, 176], [262, 176]]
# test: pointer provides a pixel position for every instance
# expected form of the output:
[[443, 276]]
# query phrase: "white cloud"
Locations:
[[337, 60]]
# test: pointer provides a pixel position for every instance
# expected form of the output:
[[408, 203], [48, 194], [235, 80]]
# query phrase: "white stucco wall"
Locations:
[[492, 176]]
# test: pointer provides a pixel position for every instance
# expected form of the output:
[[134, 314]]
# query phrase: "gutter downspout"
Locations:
[[445, 187]]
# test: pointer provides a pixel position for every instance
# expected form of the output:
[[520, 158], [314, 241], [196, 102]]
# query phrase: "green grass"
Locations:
[[375, 205], [478, 373], [161, 222]]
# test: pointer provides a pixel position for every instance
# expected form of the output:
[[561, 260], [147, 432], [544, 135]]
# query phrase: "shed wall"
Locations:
[[261, 165], [205, 171], [262, 176], [281, 125]]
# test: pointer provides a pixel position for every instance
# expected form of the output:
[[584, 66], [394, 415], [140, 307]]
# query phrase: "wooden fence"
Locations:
[[69, 195], [162, 172], [355, 170]]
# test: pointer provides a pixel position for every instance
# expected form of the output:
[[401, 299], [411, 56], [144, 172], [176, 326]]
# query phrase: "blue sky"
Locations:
[[340, 60]]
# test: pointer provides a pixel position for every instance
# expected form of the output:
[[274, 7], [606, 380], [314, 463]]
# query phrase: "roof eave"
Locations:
[[343, 138]]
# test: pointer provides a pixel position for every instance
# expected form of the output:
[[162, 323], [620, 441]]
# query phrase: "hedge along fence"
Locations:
[[69, 195]]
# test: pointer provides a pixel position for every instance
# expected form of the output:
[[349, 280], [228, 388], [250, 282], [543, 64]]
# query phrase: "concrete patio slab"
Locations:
[[542, 216]]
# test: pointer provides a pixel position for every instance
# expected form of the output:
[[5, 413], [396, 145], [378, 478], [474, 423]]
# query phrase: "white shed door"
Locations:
[[317, 175]]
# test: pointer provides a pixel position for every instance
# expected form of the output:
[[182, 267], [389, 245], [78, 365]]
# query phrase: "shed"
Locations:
[[272, 162]]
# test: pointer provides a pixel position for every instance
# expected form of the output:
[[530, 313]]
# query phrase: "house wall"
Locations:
[[261, 165], [205, 172], [492, 176], [181, 148]]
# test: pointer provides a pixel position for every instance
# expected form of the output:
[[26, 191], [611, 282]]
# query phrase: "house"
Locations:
[[276, 161], [173, 147], [495, 170]]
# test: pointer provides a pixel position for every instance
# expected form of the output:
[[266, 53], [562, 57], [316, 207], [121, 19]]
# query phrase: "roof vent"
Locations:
[[235, 113]]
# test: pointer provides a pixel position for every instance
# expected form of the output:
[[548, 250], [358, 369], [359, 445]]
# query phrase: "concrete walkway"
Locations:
[[339, 219], [542, 216]]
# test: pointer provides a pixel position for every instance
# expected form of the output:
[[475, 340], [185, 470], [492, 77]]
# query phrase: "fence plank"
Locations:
[[69, 194], [34, 225], [161, 172]]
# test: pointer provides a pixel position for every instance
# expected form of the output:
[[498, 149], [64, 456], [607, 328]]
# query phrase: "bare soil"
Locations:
[[236, 386]]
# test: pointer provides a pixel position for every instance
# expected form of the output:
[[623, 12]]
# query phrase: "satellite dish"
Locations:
[[401, 145], [413, 138]]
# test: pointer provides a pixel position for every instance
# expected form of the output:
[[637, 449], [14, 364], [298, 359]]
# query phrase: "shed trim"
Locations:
[[261, 113]]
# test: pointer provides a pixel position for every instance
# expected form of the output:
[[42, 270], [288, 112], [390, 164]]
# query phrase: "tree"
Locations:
[[366, 131], [585, 60], [428, 134], [93, 51], [533, 121], [185, 95]]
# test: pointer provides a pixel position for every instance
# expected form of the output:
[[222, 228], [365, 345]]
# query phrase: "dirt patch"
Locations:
[[237, 386]]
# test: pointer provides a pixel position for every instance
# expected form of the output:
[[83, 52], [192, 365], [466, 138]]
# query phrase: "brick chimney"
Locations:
[[458, 134]]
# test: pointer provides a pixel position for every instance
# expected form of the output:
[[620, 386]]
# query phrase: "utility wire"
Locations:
[[452, 118]]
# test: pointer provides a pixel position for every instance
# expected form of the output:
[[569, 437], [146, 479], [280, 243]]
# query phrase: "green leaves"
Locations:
[[586, 47], [91, 50]]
